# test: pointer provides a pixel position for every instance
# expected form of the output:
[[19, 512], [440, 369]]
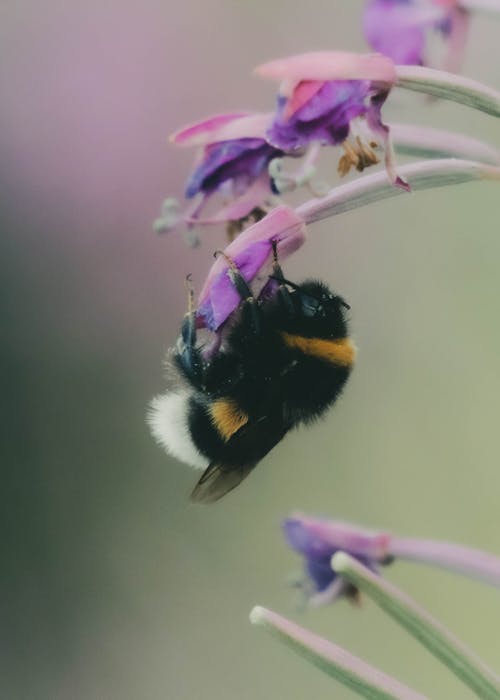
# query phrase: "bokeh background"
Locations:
[[112, 585]]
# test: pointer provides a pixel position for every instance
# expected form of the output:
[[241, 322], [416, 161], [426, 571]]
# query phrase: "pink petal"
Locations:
[[330, 65], [350, 538], [200, 133], [281, 224], [252, 126]]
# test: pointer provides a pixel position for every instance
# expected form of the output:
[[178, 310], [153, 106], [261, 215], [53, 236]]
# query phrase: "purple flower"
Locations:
[[233, 161], [237, 163], [399, 29], [322, 98], [318, 540], [252, 253], [324, 117]]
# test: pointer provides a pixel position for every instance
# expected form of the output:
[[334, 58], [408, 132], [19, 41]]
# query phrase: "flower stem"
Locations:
[[449, 86], [372, 188], [425, 142], [459, 659], [464, 560], [338, 663]]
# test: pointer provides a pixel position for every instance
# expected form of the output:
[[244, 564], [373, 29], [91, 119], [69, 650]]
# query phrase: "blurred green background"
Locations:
[[112, 585]]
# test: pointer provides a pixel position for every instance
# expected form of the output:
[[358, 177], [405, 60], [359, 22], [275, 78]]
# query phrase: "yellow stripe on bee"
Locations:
[[340, 352], [227, 417]]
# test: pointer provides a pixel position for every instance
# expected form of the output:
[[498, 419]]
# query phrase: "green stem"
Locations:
[[376, 186], [449, 86], [338, 663], [459, 659]]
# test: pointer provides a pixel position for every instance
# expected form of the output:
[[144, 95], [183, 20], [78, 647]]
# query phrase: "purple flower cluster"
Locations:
[[321, 99]]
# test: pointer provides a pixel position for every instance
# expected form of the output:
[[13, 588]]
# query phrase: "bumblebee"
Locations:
[[283, 360]]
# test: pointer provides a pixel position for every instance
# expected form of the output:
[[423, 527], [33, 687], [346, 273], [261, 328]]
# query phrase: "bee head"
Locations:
[[320, 312]]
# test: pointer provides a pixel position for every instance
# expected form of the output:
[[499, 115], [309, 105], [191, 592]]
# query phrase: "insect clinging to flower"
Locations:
[[281, 359]]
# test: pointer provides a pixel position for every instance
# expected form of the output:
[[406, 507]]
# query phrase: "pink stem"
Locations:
[[463, 560]]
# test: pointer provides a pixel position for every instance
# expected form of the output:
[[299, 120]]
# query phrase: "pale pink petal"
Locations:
[[331, 65], [200, 133], [252, 126], [281, 224]]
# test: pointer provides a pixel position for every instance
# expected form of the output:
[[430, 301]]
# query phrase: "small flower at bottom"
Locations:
[[334, 98], [399, 29], [318, 540]]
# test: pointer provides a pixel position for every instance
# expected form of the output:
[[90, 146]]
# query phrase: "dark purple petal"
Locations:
[[320, 572], [388, 31], [241, 160], [325, 117], [305, 541]]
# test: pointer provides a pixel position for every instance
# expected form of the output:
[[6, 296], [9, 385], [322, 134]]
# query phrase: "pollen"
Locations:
[[357, 155], [340, 352], [227, 417]]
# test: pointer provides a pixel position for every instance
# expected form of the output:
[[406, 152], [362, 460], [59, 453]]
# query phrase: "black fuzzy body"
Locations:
[[276, 386]]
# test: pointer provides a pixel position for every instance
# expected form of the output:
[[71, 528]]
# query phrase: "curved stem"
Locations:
[[446, 555], [425, 142], [432, 634], [338, 663], [372, 188], [449, 86]]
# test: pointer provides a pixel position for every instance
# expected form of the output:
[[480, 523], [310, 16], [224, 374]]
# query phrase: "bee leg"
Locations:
[[283, 291], [250, 305], [188, 356]]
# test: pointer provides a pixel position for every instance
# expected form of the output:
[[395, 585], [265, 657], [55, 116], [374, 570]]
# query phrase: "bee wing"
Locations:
[[254, 440], [218, 480]]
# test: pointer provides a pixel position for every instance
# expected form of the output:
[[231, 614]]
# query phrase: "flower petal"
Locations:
[[200, 133], [301, 531], [239, 160], [251, 251], [330, 65], [224, 127]]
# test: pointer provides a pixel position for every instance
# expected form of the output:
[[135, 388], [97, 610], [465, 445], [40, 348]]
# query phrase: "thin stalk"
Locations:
[[351, 671], [449, 86], [425, 142], [432, 634], [372, 188], [446, 555]]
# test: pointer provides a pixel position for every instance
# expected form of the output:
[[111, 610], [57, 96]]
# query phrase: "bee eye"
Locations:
[[309, 305]]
